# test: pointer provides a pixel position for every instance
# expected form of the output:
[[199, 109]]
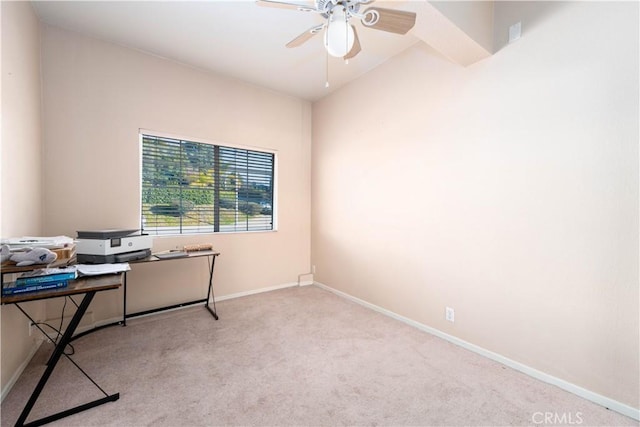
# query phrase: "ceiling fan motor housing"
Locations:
[[326, 6]]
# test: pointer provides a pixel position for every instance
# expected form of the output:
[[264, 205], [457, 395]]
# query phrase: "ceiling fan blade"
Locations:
[[286, 5], [390, 20], [305, 36], [356, 45]]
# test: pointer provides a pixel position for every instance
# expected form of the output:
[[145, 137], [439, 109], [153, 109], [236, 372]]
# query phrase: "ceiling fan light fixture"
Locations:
[[339, 36]]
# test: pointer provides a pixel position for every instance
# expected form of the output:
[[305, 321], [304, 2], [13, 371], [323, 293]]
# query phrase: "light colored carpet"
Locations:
[[298, 356]]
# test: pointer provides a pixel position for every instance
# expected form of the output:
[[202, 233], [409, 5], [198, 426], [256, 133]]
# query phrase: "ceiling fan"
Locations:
[[340, 37]]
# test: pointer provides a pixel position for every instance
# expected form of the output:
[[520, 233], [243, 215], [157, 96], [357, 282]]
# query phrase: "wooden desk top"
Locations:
[[81, 285], [9, 267], [194, 254]]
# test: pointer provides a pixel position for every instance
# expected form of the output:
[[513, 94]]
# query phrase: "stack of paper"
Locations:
[[98, 269]]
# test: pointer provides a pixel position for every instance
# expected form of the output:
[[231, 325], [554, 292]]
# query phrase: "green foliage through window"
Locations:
[[192, 187]]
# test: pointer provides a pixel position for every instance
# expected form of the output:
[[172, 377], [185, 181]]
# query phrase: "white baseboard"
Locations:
[[259, 291], [86, 327], [7, 388], [532, 372], [96, 324], [92, 324]]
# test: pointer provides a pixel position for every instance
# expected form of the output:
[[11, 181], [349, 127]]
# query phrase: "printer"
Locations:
[[114, 245]]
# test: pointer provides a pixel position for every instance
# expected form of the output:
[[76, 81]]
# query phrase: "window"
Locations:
[[193, 187]]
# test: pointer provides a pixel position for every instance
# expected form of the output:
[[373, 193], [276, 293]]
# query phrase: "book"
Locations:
[[12, 288], [47, 275], [172, 254]]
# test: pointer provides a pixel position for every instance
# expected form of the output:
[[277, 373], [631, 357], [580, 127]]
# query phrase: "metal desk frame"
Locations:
[[211, 257], [88, 286]]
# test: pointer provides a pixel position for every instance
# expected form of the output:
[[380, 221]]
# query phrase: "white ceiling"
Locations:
[[235, 38]]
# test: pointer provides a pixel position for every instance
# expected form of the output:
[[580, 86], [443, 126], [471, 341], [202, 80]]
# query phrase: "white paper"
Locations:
[[98, 269]]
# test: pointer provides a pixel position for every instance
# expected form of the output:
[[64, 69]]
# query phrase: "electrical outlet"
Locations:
[[449, 314], [30, 325]]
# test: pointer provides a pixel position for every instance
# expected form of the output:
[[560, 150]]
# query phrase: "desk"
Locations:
[[211, 258], [87, 286]]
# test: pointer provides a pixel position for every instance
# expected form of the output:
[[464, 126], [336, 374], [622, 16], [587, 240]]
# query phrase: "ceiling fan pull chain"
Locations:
[[346, 41], [346, 35], [326, 84]]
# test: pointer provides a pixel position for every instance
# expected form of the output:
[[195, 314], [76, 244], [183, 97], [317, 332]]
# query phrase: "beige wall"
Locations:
[[474, 17], [507, 190], [21, 211], [98, 95]]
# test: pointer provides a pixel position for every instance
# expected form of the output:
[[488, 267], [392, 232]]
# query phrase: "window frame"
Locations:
[[158, 134]]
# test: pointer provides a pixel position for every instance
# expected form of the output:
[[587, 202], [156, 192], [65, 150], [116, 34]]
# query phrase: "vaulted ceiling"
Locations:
[[243, 40]]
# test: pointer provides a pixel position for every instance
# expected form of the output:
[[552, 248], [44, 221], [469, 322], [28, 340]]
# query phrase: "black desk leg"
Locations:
[[210, 292], [57, 353], [124, 301]]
